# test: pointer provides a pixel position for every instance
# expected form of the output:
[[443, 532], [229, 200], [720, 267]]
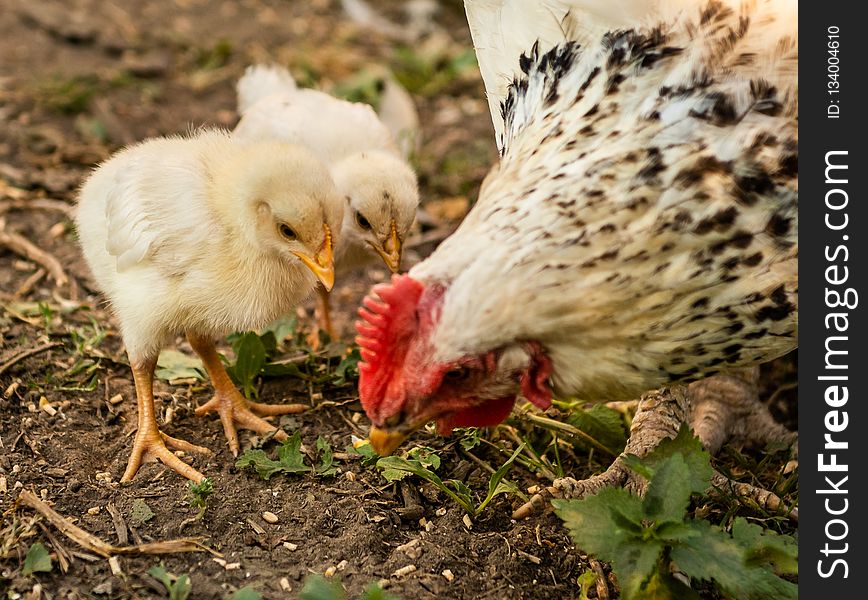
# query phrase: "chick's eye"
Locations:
[[287, 232], [362, 221], [456, 375]]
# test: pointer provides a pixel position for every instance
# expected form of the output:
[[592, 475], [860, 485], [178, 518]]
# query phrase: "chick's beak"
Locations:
[[322, 265], [391, 250], [385, 442]]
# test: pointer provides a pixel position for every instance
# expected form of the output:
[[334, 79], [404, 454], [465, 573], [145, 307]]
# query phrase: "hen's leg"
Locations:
[[718, 408], [151, 443], [234, 410]]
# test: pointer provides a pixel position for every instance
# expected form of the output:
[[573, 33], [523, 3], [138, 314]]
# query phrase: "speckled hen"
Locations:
[[639, 230]]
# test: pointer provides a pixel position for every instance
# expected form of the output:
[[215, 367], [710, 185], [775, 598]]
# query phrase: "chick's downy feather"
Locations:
[[641, 224], [173, 230], [376, 181]]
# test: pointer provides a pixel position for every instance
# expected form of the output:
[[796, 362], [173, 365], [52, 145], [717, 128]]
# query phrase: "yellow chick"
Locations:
[[205, 235], [377, 183]]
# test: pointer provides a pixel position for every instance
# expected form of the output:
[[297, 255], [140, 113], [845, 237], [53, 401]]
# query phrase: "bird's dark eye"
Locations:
[[362, 221], [456, 375], [287, 232]]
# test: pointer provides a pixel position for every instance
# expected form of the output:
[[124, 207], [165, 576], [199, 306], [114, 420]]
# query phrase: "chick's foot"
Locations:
[[234, 410], [720, 408], [151, 444]]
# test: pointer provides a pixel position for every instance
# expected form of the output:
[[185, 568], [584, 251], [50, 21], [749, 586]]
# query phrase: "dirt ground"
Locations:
[[80, 78]]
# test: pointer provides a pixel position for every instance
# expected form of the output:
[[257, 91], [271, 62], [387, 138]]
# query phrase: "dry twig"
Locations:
[[94, 544]]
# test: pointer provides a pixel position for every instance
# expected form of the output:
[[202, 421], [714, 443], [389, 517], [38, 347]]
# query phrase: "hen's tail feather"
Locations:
[[261, 81]]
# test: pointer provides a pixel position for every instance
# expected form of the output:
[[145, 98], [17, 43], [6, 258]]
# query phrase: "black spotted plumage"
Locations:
[[661, 164]]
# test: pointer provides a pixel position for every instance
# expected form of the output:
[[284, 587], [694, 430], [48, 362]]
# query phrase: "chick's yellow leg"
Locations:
[[234, 410], [323, 318], [152, 444]]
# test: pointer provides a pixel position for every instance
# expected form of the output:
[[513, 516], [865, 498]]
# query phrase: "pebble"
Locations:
[[330, 572], [93, 510], [284, 584], [116, 399], [269, 517], [290, 546], [448, 575], [440, 512], [404, 571]]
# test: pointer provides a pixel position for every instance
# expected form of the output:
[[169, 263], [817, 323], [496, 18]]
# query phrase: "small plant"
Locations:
[[422, 463], [317, 587], [198, 493], [646, 539], [173, 365], [326, 467], [37, 560], [250, 357], [289, 459], [178, 586], [245, 593]]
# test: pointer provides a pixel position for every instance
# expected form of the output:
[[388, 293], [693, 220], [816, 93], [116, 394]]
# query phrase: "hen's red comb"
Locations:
[[387, 326]]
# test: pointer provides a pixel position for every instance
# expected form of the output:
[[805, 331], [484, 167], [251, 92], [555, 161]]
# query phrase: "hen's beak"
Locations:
[[391, 250], [322, 265], [385, 442]]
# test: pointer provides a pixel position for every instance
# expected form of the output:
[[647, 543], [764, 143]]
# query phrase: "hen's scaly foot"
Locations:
[[718, 409], [234, 410]]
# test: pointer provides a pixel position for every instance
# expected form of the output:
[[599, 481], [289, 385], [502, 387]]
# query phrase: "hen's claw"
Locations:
[[718, 408]]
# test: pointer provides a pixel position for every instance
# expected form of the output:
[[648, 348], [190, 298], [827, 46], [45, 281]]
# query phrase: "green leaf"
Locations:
[[601, 423], [697, 458], [289, 459], [668, 493], [140, 512], [375, 592], [290, 456], [283, 328], [348, 369], [586, 581], [172, 365], [278, 369], [37, 560], [246, 593], [258, 459], [714, 555], [427, 457], [766, 548], [198, 493], [496, 485], [609, 525], [317, 587], [601, 522], [179, 587], [249, 359], [394, 465], [663, 586], [326, 467], [369, 457], [468, 437]]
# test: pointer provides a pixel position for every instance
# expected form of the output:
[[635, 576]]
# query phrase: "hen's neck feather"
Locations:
[[643, 216]]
